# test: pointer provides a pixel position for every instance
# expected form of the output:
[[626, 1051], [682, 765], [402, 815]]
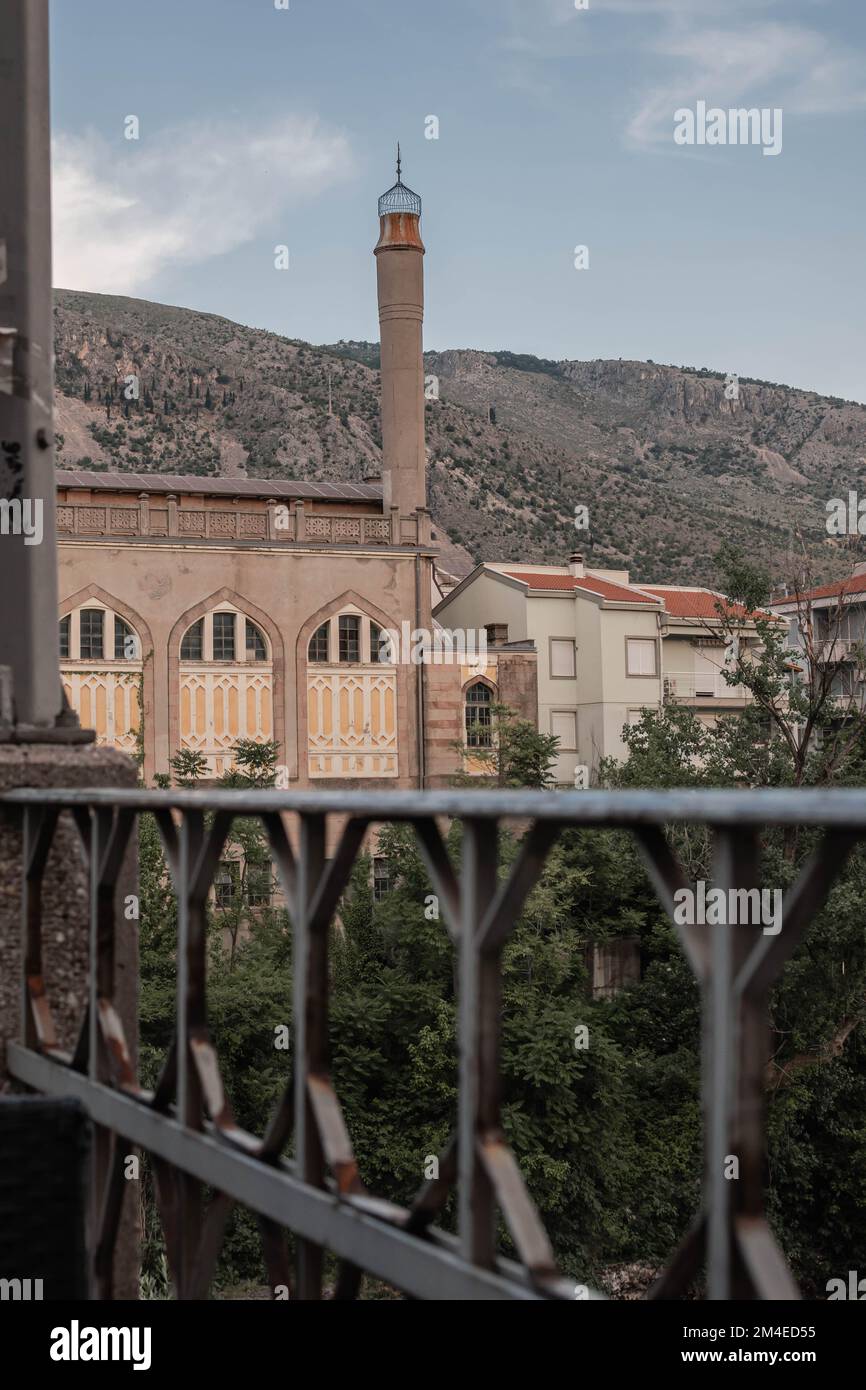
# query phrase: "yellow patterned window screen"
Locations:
[[351, 702], [101, 671], [226, 687]]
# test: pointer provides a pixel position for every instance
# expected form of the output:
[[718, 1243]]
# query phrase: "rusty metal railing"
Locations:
[[187, 1126]]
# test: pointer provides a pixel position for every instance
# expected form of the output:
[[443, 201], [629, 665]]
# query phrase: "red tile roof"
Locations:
[[693, 603], [701, 603], [592, 584], [854, 584]]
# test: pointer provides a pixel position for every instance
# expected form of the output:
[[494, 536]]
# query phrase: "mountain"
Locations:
[[666, 464]]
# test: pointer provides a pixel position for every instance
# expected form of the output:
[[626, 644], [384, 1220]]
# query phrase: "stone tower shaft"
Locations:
[[400, 277]]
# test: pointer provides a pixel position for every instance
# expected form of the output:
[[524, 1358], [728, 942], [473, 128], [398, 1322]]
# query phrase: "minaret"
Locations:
[[400, 276]]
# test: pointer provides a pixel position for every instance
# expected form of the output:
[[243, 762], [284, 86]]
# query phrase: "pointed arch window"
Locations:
[[100, 669], [224, 635], [477, 706], [351, 639], [98, 635]]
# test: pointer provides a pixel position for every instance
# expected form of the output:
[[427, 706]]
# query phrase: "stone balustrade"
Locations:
[[168, 516]]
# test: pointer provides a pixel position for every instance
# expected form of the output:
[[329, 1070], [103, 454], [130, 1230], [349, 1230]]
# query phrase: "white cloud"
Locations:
[[121, 214], [691, 8], [724, 51], [773, 64]]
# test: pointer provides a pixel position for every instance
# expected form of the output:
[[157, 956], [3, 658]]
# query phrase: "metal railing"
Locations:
[[187, 1124], [689, 685], [840, 649]]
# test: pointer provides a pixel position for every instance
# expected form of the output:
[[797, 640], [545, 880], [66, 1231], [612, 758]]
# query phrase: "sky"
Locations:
[[262, 125]]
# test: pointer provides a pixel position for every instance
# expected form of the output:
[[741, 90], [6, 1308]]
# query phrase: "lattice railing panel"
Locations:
[[187, 1123]]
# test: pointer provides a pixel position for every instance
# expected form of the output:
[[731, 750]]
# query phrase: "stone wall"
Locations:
[[65, 906]]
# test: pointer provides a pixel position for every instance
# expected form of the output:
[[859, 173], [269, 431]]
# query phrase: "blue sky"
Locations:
[[261, 127]]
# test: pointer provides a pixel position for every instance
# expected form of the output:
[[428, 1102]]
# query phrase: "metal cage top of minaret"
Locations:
[[399, 198]]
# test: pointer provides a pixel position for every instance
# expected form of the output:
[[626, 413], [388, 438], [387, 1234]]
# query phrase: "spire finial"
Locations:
[[398, 161]]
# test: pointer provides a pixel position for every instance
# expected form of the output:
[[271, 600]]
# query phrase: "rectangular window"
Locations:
[[223, 636], [563, 723], [563, 663], [92, 645], [381, 879], [225, 883], [375, 640], [64, 638], [259, 885], [350, 638], [640, 656]]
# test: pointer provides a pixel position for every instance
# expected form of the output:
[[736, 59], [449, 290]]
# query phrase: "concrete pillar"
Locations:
[[28, 564], [400, 276]]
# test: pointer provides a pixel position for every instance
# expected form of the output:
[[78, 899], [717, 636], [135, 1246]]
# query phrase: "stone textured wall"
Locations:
[[443, 723], [65, 904], [518, 683]]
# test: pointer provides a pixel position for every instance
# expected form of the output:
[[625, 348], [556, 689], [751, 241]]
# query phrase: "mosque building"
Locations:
[[196, 612]]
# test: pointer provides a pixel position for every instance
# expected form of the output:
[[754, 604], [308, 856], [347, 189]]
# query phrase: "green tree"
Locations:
[[188, 767], [517, 755], [808, 692]]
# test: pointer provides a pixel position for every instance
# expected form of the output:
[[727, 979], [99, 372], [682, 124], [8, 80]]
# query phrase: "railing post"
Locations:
[[310, 966], [190, 983], [478, 1026], [719, 1082]]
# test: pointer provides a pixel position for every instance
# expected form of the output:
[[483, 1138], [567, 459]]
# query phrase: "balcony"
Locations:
[[687, 685], [840, 650]]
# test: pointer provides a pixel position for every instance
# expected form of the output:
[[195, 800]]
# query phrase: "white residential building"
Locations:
[[607, 648]]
